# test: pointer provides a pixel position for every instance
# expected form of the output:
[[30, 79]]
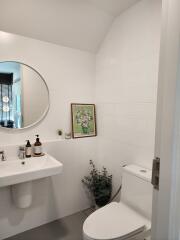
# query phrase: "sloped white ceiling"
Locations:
[[113, 7], [80, 24]]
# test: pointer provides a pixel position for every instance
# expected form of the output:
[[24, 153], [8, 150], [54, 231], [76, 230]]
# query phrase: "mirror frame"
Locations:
[[46, 110]]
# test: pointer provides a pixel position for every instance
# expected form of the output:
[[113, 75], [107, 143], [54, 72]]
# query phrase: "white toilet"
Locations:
[[131, 217]]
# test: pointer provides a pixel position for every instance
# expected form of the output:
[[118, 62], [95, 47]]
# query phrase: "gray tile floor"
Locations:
[[68, 228]]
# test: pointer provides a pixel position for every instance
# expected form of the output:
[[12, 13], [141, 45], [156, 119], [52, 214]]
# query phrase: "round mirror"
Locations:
[[24, 96]]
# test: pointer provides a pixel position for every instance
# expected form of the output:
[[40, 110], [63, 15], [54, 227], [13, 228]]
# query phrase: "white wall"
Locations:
[[127, 75], [70, 76]]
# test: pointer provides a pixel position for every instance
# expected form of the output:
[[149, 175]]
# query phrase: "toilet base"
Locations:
[[146, 235]]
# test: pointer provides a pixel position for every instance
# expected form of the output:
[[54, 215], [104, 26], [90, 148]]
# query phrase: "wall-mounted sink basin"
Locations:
[[18, 171]]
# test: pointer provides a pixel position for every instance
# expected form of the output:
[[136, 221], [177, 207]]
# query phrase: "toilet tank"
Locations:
[[137, 189]]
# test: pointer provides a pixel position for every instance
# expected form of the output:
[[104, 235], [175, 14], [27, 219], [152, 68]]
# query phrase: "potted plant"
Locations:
[[99, 183]]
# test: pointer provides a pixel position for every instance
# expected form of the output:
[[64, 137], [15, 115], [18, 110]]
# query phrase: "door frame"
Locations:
[[165, 218]]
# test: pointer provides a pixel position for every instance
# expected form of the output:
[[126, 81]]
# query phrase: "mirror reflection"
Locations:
[[24, 97]]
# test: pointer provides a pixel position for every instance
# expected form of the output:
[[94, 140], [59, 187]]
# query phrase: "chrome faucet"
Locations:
[[22, 153], [2, 156]]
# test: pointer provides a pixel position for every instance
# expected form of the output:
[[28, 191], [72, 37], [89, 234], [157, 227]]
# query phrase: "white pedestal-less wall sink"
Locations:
[[19, 174]]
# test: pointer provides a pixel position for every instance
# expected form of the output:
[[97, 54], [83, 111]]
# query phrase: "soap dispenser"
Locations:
[[28, 149], [37, 147]]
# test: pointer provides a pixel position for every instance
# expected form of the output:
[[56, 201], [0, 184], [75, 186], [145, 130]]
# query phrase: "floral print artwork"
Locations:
[[83, 120]]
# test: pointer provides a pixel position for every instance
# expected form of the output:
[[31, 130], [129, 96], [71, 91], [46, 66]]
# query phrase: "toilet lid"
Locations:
[[115, 220]]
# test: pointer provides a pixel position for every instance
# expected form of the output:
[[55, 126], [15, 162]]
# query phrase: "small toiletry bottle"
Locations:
[[37, 146], [28, 149]]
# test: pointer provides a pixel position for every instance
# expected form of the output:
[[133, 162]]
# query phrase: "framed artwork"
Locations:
[[83, 120]]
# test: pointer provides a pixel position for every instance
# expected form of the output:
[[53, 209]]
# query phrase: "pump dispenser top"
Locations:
[[37, 138]]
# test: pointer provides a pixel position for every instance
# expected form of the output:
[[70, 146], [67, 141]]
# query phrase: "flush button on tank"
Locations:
[[143, 171]]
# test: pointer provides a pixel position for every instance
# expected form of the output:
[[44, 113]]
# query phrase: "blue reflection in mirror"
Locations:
[[10, 95]]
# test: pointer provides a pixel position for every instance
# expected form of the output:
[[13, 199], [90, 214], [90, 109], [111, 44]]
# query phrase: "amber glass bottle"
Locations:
[[37, 146]]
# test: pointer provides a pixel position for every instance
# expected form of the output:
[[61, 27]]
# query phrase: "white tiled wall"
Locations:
[[126, 87], [70, 76]]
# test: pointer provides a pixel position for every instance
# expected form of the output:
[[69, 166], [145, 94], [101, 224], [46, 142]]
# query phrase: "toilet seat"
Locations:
[[114, 221]]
